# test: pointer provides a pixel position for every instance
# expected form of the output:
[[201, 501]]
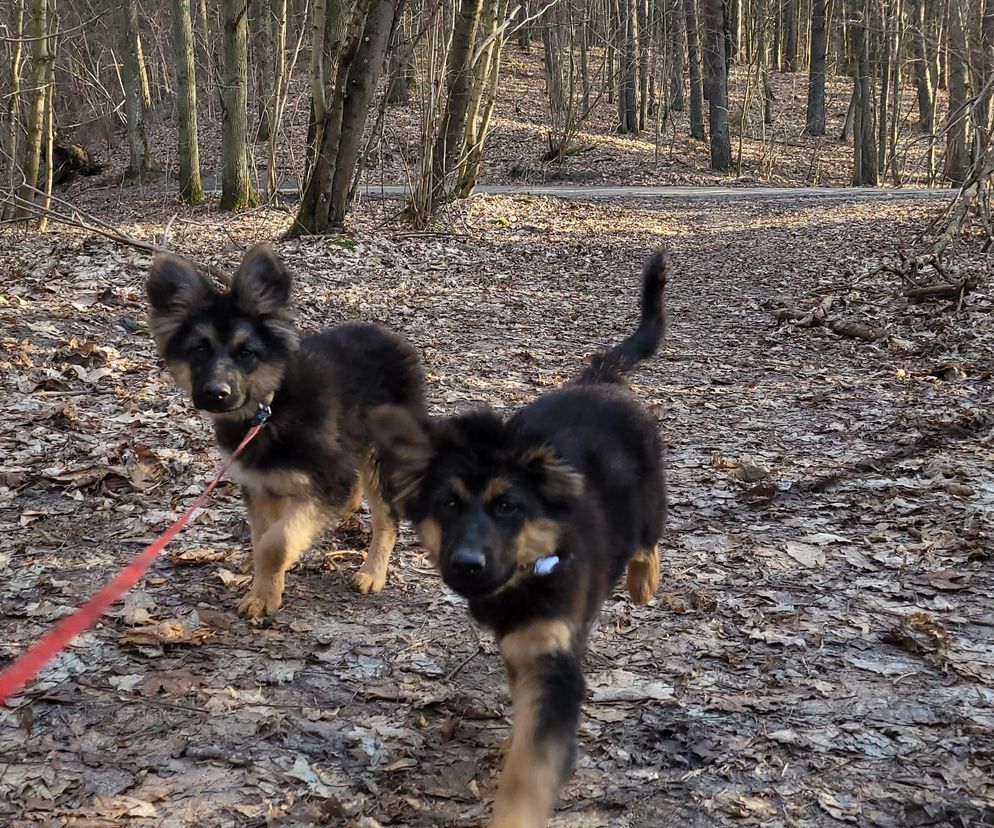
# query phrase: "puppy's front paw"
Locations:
[[260, 602], [366, 582]]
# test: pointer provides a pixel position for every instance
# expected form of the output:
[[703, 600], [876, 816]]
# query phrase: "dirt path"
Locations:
[[816, 655], [638, 193]]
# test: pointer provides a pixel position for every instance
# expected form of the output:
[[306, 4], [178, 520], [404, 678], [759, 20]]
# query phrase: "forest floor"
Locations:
[[821, 648]]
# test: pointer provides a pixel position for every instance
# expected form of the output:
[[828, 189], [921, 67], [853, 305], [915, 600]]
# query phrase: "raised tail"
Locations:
[[613, 365]]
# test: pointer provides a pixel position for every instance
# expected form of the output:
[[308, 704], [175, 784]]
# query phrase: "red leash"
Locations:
[[17, 674]]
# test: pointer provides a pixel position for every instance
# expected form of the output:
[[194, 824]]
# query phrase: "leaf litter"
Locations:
[[820, 648]]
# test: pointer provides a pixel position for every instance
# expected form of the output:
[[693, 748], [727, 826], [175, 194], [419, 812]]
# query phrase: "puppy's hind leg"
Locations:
[[282, 530], [372, 575], [643, 575]]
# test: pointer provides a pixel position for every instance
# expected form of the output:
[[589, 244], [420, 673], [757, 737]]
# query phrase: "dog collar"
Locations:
[[263, 414], [546, 565]]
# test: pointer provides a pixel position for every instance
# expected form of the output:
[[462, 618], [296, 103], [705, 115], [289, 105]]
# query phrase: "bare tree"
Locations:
[[864, 149], [957, 120], [716, 80], [236, 184], [13, 114], [141, 165], [186, 104], [344, 75], [35, 121], [696, 82], [815, 121]]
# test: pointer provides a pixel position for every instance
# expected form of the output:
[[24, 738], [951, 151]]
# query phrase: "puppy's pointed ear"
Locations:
[[174, 287], [404, 447], [558, 482], [261, 285]]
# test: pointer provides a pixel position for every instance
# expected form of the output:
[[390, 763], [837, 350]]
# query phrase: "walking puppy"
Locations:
[[236, 351], [534, 520]]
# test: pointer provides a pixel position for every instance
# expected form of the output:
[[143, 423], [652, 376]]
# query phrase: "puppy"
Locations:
[[236, 351], [533, 521]]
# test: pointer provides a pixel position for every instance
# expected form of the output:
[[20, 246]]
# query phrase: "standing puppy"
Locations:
[[534, 520], [235, 352]]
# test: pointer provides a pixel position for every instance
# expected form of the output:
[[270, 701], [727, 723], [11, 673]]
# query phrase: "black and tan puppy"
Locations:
[[534, 520], [237, 350]]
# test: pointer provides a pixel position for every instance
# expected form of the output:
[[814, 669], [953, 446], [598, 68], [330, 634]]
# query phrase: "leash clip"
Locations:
[[263, 414]]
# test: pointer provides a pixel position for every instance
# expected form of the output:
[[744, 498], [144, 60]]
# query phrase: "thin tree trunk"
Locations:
[[236, 183], [46, 188], [191, 189], [716, 78], [864, 152], [677, 43], [983, 107], [141, 167], [40, 59], [263, 56], [815, 125], [694, 58], [278, 11], [448, 150], [628, 90], [957, 119], [790, 36], [642, 37], [14, 108]]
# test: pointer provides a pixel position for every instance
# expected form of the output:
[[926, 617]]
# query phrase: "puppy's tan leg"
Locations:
[[546, 692], [372, 575], [351, 506], [643, 575], [283, 528]]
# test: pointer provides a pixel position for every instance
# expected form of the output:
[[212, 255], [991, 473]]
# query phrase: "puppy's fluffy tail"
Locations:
[[612, 366]]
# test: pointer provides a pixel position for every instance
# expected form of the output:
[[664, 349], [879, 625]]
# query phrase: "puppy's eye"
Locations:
[[245, 353], [199, 349], [450, 505], [506, 507]]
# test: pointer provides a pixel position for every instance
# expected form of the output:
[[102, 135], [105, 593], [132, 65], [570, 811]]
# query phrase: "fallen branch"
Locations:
[[92, 224], [818, 317], [955, 291]]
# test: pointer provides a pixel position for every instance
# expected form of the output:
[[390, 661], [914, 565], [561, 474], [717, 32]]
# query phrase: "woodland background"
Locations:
[[820, 651]]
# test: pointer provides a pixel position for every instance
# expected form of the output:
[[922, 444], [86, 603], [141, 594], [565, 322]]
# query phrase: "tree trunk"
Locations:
[[983, 116], [815, 125], [694, 59], [864, 152], [402, 75], [957, 119], [448, 151], [790, 36], [278, 11], [141, 167], [263, 56], [338, 133], [627, 92], [186, 104], [676, 43], [924, 79], [236, 183], [485, 86], [642, 20], [49, 128], [14, 109], [716, 78], [885, 58]]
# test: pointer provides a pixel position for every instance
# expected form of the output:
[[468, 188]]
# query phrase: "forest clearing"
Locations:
[[819, 650]]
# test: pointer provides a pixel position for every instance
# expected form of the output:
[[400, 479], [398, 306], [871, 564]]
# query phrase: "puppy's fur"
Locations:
[[577, 475], [309, 467]]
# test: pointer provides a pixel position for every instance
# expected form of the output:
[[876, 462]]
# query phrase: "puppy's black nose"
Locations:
[[217, 391], [468, 561]]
